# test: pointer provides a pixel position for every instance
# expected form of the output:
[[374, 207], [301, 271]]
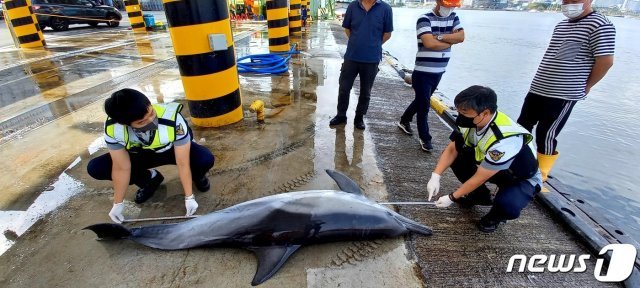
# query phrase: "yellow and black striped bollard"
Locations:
[[278, 24], [209, 74], [295, 21], [24, 23], [135, 15]]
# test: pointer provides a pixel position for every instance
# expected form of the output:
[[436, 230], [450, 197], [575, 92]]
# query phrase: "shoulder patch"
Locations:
[[179, 129], [495, 155]]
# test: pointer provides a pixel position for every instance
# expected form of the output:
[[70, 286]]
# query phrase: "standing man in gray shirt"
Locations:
[[368, 24]]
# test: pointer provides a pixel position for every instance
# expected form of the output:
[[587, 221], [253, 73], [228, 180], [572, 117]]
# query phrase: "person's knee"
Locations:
[[203, 160], [507, 207], [96, 169]]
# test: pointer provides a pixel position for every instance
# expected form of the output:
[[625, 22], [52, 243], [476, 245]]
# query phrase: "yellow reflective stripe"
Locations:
[[163, 134], [465, 135], [170, 111], [507, 127], [120, 133]]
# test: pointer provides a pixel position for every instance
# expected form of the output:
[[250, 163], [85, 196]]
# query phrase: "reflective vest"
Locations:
[[524, 165], [164, 135], [501, 127]]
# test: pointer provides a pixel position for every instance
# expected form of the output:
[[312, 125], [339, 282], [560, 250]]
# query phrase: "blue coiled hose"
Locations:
[[272, 63]]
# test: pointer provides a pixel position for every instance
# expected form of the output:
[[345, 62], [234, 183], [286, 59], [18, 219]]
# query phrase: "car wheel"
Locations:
[[113, 21], [94, 24], [42, 26], [59, 24]]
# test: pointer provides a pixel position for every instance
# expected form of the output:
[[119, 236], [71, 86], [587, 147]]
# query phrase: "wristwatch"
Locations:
[[440, 37]]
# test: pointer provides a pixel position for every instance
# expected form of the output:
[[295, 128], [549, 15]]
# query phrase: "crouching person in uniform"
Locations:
[[141, 136], [489, 147]]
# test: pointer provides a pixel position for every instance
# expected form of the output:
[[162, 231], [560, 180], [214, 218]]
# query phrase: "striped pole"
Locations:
[[209, 74], [135, 16], [295, 22], [278, 25], [24, 23]]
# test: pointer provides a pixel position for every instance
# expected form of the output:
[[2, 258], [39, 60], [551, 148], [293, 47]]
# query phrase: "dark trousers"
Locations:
[[550, 114], [424, 84], [200, 160], [348, 72], [510, 199]]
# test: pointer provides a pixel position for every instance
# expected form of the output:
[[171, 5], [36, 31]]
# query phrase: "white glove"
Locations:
[[116, 212], [191, 204], [444, 202], [433, 186]]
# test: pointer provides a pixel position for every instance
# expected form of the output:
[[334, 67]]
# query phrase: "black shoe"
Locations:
[[405, 127], [481, 196], [426, 145], [488, 225], [146, 192], [202, 184], [338, 120], [358, 122]]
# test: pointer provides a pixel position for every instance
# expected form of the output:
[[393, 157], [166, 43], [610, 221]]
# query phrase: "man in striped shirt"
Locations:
[[436, 32], [579, 55]]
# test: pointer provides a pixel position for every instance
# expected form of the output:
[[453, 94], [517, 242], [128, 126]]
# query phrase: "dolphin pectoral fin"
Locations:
[[270, 259], [109, 231], [345, 183]]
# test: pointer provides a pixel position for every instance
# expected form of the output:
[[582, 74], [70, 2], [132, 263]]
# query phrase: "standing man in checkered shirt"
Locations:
[[579, 55]]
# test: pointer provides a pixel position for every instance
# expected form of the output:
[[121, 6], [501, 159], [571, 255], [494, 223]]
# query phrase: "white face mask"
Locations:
[[445, 11], [572, 10]]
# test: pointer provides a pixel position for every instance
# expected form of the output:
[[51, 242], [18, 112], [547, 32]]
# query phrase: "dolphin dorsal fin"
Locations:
[[270, 259], [345, 183]]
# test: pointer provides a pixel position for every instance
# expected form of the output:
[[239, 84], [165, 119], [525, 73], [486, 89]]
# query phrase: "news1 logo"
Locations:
[[623, 258]]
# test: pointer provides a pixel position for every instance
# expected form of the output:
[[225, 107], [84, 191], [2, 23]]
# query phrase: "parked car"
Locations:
[[59, 14]]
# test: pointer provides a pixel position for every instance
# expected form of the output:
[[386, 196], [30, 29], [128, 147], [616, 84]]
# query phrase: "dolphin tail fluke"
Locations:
[[345, 183], [414, 226], [109, 231], [270, 259]]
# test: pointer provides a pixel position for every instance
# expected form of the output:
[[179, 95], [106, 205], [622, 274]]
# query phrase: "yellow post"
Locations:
[[295, 21], [135, 15], [278, 25], [24, 23], [203, 44]]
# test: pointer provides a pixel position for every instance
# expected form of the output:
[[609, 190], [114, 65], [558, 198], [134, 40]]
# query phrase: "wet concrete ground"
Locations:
[[43, 212], [53, 126]]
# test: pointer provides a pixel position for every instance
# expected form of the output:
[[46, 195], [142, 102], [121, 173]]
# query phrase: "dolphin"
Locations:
[[275, 227]]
